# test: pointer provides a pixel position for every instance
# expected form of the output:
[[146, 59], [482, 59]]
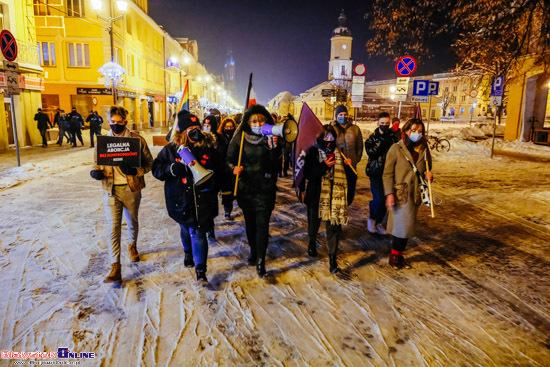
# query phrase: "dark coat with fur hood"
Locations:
[[178, 191], [258, 181]]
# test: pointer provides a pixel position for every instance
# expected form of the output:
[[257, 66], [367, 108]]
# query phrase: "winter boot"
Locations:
[[115, 276], [371, 226], [252, 257], [398, 262], [134, 256], [211, 234], [188, 260], [312, 248], [260, 268], [201, 274], [333, 264]]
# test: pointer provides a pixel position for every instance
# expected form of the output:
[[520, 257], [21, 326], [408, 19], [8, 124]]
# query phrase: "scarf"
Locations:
[[333, 203]]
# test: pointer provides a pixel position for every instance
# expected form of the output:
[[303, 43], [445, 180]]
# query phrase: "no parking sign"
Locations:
[[405, 66], [8, 45]]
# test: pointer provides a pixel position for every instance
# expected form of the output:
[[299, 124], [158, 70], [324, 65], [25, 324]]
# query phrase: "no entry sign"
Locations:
[[405, 66], [359, 69], [8, 45]]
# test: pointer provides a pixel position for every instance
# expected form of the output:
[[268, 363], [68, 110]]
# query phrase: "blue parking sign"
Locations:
[[497, 86], [425, 88]]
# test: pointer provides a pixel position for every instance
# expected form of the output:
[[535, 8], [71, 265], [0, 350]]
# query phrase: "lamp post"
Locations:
[[122, 6]]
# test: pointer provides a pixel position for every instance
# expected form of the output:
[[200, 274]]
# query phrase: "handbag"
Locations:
[[424, 193]]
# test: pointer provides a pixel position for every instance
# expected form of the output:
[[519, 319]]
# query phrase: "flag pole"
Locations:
[[429, 184], [242, 134]]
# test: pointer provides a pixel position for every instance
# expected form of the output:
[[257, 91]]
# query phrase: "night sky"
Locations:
[[286, 44]]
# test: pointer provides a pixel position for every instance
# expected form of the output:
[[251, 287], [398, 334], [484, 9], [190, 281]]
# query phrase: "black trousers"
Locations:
[[399, 244], [76, 133], [44, 140], [352, 181], [333, 231], [227, 202], [93, 132], [257, 230]]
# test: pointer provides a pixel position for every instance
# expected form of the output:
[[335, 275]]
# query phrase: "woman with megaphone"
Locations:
[[191, 169], [255, 160]]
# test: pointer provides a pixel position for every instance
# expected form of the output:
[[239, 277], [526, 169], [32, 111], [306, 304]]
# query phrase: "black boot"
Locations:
[[312, 249], [211, 234], [252, 257], [188, 260], [333, 264], [201, 274], [260, 268]]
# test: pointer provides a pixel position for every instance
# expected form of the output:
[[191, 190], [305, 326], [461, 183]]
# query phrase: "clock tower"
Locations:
[[340, 64]]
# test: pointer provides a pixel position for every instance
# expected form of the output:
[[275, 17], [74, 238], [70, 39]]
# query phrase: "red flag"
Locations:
[[252, 98], [308, 128]]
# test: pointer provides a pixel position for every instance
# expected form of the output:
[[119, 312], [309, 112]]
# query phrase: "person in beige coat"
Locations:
[[401, 187], [122, 192]]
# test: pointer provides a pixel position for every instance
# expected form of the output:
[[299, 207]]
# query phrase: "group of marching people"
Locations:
[[241, 158]]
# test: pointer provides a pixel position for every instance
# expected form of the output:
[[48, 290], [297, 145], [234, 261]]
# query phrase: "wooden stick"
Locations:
[[239, 164], [429, 187], [350, 166]]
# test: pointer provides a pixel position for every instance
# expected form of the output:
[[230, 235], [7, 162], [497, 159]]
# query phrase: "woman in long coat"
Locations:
[[402, 189]]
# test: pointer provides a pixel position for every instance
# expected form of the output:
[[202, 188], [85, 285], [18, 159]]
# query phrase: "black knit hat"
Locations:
[[186, 120], [258, 109], [213, 121], [339, 109]]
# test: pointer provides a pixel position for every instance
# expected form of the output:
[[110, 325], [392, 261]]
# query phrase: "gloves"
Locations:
[[129, 171], [177, 169], [97, 174]]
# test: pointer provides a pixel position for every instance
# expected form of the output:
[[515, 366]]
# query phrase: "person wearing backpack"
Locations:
[[75, 126]]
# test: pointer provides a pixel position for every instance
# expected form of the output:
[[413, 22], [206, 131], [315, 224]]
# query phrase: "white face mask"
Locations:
[[207, 128], [415, 137]]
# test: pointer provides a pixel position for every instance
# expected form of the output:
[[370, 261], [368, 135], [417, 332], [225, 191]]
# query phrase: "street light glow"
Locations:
[[186, 60], [208, 79], [393, 89], [122, 5], [97, 4], [199, 79], [392, 96]]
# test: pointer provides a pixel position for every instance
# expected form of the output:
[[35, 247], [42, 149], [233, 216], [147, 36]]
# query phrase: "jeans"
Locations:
[[257, 231], [194, 241], [378, 203], [333, 231], [122, 200]]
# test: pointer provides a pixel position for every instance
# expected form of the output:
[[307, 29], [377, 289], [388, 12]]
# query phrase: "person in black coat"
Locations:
[[210, 125], [320, 164], [95, 126], [225, 134], [42, 123], [192, 207], [75, 125], [261, 160], [377, 146]]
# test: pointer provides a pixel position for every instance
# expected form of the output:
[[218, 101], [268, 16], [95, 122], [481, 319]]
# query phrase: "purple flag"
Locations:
[[308, 128]]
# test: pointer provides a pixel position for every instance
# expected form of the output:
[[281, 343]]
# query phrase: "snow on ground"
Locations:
[[478, 293]]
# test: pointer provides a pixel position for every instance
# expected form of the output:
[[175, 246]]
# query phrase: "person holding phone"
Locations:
[[326, 193]]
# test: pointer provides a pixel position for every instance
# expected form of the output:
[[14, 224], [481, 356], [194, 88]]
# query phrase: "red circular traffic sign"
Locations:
[[8, 45], [360, 69], [405, 66]]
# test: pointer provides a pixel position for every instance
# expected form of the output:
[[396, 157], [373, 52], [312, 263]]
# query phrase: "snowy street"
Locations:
[[478, 293]]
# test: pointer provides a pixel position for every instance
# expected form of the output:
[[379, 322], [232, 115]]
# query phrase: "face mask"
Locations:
[[229, 132], [195, 135], [341, 119], [207, 128], [117, 129], [384, 128], [327, 146], [329, 137], [256, 130], [415, 137]]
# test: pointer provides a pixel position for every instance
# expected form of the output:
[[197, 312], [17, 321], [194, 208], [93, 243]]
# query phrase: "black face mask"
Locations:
[[196, 135], [384, 128], [117, 129], [229, 132], [328, 146]]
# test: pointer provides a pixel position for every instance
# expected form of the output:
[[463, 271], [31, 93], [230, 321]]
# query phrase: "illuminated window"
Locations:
[[79, 55], [46, 52], [41, 7], [75, 8]]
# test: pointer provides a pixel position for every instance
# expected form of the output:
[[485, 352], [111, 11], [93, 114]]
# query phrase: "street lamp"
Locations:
[[108, 70]]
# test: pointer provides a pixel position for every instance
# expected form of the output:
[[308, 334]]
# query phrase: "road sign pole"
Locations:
[[14, 123], [429, 113], [494, 131], [399, 111]]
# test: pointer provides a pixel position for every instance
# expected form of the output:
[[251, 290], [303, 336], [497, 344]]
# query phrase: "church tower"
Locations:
[[340, 64], [229, 75]]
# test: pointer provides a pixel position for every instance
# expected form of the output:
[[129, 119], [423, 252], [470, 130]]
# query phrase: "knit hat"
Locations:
[[211, 119], [186, 120], [257, 109], [215, 111], [339, 109]]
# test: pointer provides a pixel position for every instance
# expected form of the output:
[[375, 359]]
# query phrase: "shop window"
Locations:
[[79, 55], [75, 8], [46, 51]]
